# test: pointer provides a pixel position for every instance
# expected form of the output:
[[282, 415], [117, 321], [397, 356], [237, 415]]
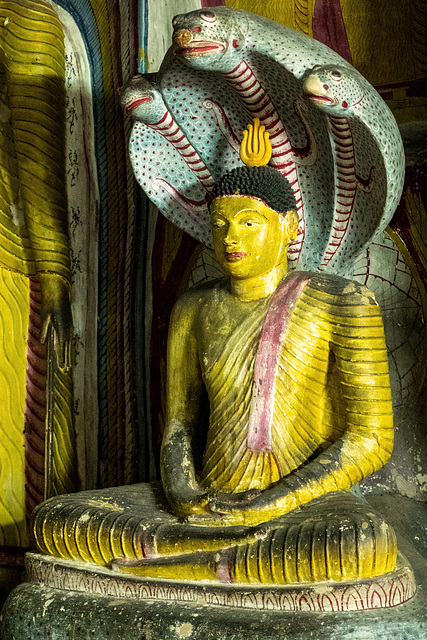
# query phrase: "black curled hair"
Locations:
[[264, 182]]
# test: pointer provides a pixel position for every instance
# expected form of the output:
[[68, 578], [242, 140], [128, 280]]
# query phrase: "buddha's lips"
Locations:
[[321, 99], [233, 257], [200, 48], [133, 104]]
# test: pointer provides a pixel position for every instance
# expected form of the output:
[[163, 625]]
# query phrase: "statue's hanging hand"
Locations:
[[190, 502], [56, 312]]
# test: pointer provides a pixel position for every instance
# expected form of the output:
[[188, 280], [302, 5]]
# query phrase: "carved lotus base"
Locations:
[[388, 590]]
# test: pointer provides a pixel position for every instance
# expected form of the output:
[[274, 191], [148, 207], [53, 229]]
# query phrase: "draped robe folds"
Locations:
[[310, 411], [242, 383], [228, 465]]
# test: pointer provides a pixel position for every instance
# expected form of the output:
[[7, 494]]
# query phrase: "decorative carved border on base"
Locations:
[[388, 590]]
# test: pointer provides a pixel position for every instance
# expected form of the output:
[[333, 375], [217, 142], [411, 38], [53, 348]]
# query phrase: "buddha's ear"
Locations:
[[291, 224]]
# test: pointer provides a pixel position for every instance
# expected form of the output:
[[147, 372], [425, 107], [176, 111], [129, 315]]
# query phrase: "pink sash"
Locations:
[[273, 333]]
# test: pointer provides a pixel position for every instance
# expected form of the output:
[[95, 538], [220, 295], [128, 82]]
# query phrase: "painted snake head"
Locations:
[[142, 100], [209, 39], [334, 89]]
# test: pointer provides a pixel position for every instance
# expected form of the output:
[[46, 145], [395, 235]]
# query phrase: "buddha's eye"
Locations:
[[218, 224], [249, 222], [336, 75]]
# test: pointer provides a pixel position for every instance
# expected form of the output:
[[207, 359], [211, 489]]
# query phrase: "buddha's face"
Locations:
[[249, 238]]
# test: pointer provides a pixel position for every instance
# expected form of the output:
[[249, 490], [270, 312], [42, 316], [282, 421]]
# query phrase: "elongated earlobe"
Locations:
[[291, 222]]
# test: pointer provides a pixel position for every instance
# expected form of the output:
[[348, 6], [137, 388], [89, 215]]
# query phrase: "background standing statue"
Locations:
[[35, 273]]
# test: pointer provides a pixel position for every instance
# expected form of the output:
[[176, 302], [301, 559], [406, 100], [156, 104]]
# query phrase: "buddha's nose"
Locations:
[[182, 37], [231, 237]]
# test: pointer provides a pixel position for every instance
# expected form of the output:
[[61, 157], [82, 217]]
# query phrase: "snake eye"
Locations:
[[336, 75], [208, 16]]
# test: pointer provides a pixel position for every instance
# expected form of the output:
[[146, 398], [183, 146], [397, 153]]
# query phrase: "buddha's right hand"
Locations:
[[189, 502]]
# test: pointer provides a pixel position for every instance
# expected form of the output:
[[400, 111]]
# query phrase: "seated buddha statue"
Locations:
[[281, 380]]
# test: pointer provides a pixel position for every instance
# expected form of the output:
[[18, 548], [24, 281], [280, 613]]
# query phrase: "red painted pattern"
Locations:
[[345, 185], [168, 128]]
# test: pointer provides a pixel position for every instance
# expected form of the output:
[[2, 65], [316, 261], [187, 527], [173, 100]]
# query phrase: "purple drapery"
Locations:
[[328, 27]]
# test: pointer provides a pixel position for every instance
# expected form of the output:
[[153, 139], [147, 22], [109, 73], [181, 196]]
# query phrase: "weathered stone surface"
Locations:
[[35, 611]]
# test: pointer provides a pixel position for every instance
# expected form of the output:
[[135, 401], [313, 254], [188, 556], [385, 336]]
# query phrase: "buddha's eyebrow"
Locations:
[[251, 212]]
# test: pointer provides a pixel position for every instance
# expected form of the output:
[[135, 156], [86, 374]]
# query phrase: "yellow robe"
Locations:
[[327, 389]]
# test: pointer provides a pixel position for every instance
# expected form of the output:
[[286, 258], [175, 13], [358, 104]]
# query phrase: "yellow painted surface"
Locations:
[[144, 57], [255, 149], [296, 14], [33, 229], [381, 39], [14, 305], [250, 241], [33, 240]]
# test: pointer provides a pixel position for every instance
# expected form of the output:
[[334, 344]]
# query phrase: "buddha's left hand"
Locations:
[[261, 507], [56, 312], [227, 509]]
